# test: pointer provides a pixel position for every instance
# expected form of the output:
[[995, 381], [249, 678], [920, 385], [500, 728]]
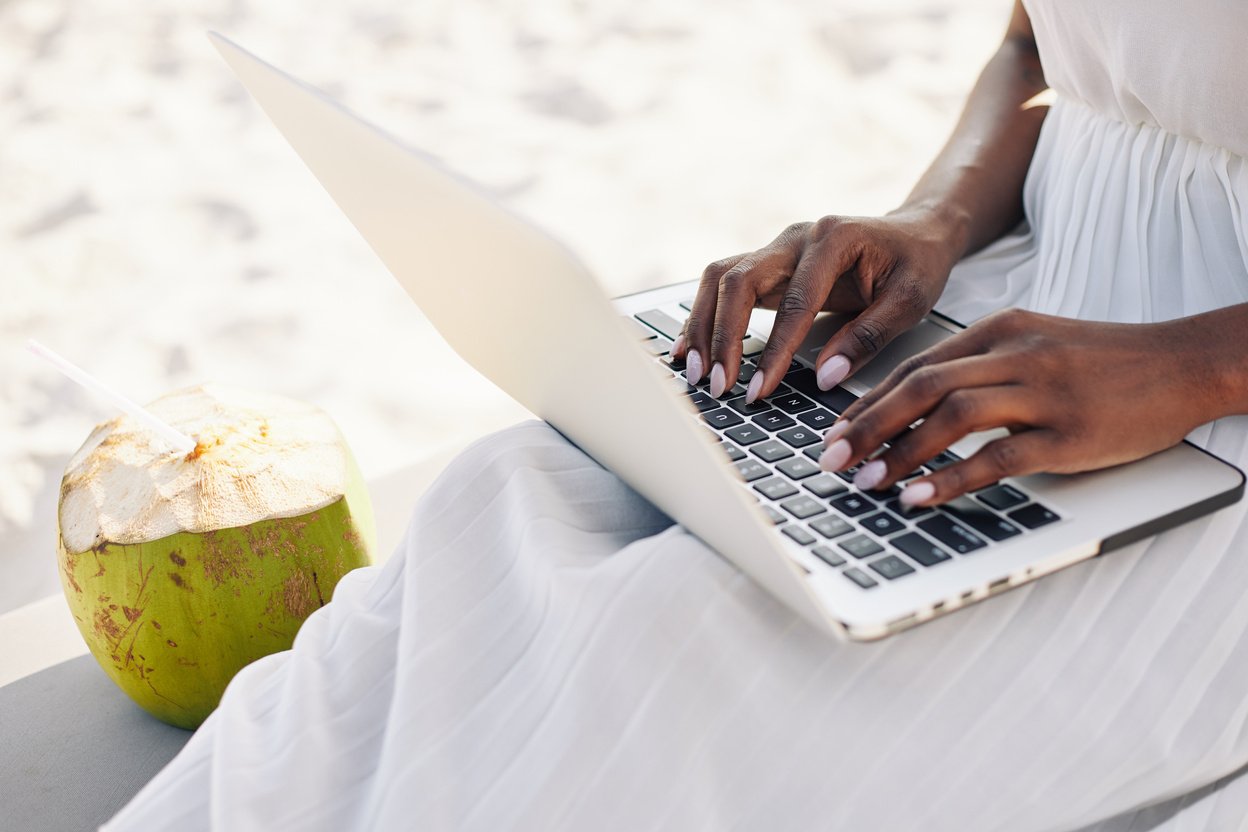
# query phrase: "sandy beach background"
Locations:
[[157, 230]]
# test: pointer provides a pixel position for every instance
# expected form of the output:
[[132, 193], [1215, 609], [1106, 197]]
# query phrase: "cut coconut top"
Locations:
[[258, 457]]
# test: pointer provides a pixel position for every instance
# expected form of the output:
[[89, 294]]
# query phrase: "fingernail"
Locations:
[[832, 372], [678, 344], [917, 493], [756, 387], [717, 380], [871, 474], [838, 427], [836, 456], [693, 367]]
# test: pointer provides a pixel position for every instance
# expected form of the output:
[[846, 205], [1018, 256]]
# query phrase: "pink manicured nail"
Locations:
[[917, 493], [693, 367], [717, 380], [756, 386], [871, 474], [838, 427], [678, 344], [836, 456], [832, 372]]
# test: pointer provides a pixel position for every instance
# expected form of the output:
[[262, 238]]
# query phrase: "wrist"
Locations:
[[1213, 360], [949, 224]]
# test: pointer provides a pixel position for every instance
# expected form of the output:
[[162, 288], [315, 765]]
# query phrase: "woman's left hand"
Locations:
[[1075, 396]]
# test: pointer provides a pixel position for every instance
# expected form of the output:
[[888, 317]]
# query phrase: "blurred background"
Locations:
[[155, 229]]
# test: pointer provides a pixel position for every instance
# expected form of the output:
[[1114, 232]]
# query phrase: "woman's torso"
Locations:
[[1179, 66]]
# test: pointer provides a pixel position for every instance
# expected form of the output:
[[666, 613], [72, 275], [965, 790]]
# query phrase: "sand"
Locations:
[[158, 231]]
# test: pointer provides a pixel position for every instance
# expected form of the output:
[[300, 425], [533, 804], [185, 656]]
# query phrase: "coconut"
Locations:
[[181, 569]]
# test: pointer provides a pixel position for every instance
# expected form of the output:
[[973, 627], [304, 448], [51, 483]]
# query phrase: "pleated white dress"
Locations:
[[546, 653]]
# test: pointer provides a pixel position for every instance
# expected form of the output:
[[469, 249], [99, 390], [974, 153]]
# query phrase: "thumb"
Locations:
[[871, 331]]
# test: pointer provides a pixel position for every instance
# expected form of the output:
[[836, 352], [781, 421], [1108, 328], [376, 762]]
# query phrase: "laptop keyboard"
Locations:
[[866, 536]]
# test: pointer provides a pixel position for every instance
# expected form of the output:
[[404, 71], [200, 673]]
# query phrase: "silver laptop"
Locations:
[[526, 313]]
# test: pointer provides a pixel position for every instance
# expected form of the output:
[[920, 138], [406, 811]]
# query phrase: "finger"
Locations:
[[739, 288], [899, 307], [816, 272], [960, 413], [1017, 455], [693, 343], [969, 342], [914, 397]]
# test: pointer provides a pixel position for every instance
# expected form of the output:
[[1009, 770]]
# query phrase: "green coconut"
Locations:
[[181, 569]]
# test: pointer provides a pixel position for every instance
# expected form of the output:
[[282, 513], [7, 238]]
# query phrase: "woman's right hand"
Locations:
[[890, 270]]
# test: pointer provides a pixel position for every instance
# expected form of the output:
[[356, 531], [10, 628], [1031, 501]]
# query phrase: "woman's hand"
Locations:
[[889, 269], [1075, 396]]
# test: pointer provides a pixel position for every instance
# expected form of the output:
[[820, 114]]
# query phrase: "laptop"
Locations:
[[527, 314]]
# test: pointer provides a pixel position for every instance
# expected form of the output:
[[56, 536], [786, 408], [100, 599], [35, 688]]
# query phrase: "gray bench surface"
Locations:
[[74, 748]]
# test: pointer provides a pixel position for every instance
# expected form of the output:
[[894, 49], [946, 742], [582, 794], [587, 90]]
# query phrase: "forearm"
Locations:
[[975, 184]]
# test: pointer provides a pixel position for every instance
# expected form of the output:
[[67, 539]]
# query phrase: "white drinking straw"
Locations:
[[180, 441]]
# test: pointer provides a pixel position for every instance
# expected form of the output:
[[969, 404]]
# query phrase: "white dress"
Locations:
[[546, 653]]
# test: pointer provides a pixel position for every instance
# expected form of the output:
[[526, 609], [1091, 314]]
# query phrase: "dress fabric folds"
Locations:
[[547, 652]]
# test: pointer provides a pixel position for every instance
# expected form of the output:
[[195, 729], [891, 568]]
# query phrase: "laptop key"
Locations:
[[750, 470], [746, 434], [1033, 516], [746, 372], [758, 406], [954, 535], [908, 512], [703, 402], [682, 386], [882, 524], [979, 518], [1002, 497], [838, 399], [773, 420], [803, 507], [824, 485], [798, 534], [819, 419], [722, 418], [827, 555], [792, 402], [775, 488], [943, 460], [776, 517], [860, 546], [638, 329], [752, 346], [814, 452], [799, 437], [797, 468], [852, 505], [886, 494], [831, 526], [734, 453], [661, 321], [920, 549], [771, 451], [892, 567], [861, 578], [657, 346]]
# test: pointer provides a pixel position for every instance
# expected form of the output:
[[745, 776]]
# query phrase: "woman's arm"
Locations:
[[1075, 395], [976, 182], [895, 266]]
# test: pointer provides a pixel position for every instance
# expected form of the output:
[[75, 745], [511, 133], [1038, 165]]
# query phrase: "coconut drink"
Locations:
[[181, 567]]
